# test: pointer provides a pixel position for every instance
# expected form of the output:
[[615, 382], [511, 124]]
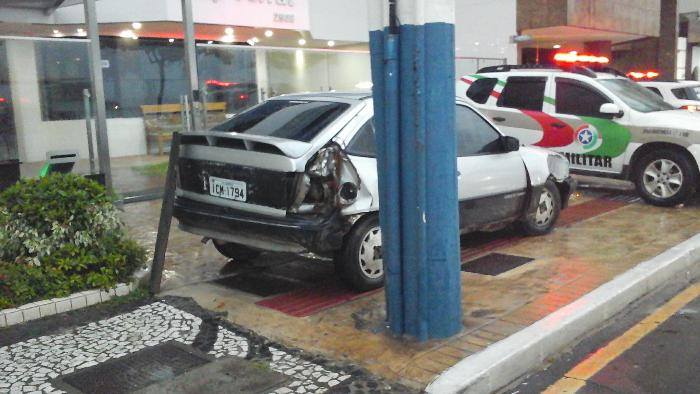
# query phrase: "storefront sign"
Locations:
[[279, 14]]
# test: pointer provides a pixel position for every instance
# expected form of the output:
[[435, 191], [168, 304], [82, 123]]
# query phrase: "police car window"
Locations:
[[680, 93], [363, 143], [300, 120], [523, 93], [576, 98], [655, 90], [480, 90], [474, 135]]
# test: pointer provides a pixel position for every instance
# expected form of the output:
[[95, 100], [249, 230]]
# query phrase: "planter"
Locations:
[[9, 173], [39, 309]]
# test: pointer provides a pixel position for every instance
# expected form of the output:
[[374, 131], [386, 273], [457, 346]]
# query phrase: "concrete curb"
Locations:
[[505, 361], [39, 309]]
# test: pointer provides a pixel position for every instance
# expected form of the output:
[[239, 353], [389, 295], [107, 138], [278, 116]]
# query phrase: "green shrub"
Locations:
[[58, 235]]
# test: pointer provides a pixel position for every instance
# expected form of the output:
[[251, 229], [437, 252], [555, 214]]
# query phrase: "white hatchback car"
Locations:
[[298, 174], [681, 94]]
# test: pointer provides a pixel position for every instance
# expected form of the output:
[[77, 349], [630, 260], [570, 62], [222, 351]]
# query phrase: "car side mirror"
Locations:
[[611, 109], [510, 144]]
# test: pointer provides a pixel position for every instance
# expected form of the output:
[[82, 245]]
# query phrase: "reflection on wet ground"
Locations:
[[298, 302]]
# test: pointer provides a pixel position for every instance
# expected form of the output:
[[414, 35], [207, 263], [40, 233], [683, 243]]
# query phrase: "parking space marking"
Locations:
[[576, 378]]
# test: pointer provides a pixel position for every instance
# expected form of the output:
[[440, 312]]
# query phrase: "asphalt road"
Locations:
[[641, 351]]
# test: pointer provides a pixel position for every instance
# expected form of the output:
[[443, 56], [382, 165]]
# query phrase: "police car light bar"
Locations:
[[643, 75], [575, 57]]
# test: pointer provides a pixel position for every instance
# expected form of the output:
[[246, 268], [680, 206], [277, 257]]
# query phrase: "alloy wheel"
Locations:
[[663, 178]]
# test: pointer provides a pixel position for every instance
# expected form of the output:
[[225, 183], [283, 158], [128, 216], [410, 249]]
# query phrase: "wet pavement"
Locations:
[[167, 345], [650, 348], [298, 302]]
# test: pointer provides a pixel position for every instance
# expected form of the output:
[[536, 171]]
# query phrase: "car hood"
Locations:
[[678, 119]]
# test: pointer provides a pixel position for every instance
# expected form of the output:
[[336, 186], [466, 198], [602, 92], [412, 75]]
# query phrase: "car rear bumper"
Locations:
[[320, 235]]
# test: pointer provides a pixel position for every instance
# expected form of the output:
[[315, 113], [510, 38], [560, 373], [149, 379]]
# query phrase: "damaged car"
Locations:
[[298, 173]]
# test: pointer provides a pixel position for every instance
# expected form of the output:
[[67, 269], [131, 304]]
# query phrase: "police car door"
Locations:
[[492, 183], [519, 108], [592, 137]]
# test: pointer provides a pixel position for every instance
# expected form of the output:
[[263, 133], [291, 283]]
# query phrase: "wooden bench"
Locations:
[[161, 121]]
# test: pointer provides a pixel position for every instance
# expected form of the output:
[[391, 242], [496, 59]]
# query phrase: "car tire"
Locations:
[[237, 252], [541, 219], [665, 178], [359, 263]]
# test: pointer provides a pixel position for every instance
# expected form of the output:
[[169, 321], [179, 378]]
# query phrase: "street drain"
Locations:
[[135, 371], [258, 284], [494, 264]]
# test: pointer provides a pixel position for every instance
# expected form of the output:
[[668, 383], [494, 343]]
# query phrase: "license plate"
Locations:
[[228, 189]]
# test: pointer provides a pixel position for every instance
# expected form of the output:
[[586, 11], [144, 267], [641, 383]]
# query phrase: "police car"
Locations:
[[680, 94], [604, 123]]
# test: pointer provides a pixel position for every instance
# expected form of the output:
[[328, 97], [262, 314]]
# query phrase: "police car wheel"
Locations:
[[359, 263], [665, 178], [237, 252], [542, 217]]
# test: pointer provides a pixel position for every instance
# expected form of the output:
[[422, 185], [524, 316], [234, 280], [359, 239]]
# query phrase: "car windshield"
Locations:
[[300, 120], [635, 95]]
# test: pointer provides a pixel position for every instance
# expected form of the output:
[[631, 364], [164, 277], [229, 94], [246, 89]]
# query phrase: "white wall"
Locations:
[[483, 29], [35, 137], [696, 62], [688, 6]]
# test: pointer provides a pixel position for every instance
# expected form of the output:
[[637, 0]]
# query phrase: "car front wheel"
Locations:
[[542, 217], [665, 178], [237, 252], [359, 262]]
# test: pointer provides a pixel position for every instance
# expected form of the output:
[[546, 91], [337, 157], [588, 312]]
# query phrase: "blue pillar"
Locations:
[[414, 104]]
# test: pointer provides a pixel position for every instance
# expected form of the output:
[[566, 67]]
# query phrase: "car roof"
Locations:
[[548, 71], [670, 84], [341, 95]]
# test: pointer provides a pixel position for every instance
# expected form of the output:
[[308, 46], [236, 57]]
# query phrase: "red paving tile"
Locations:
[[307, 302]]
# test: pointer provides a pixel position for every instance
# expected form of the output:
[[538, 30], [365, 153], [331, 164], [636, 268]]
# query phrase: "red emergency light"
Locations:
[[575, 57], [2, 99], [643, 75], [222, 84]]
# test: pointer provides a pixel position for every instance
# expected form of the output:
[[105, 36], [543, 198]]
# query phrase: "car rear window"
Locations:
[[688, 93], [300, 120]]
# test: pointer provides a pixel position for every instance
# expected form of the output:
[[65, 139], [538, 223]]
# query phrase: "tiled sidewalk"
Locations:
[[576, 258]]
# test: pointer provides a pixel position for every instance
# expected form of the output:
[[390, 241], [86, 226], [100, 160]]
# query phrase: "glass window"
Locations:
[[576, 98], [523, 93], [635, 95], [480, 90], [474, 135], [8, 138], [300, 120], [363, 143], [655, 90], [64, 72], [687, 93]]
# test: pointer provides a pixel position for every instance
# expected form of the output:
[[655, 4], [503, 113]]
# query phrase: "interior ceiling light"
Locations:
[[228, 31], [171, 40], [137, 25], [57, 33], [227, 39], [575, 57], [80, 32], [128, 34], [269, 33], [556, 46], [331, 43], [302, 42]]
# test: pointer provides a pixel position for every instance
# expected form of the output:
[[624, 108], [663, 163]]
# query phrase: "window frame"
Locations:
[[491, 126], [583, 85], [539, 78]]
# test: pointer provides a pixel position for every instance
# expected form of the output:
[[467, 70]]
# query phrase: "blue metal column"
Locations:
[[414, 101]]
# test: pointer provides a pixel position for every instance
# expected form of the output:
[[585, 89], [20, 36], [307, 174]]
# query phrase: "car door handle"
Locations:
[[558, 125], [499, 119]]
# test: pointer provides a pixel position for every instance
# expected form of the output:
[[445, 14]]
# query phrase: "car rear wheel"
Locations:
[[665, 178], [237, 252], [542, 217], [360, 262]]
